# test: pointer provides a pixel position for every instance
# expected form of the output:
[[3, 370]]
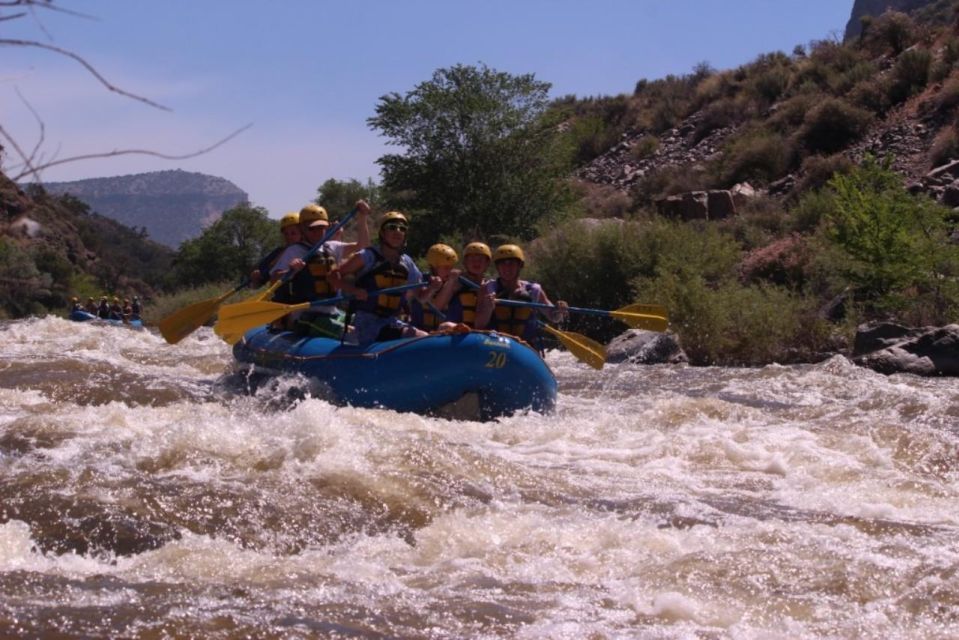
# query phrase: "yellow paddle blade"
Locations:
[[650, 322], [646, 309], [269, 291], [185, 321], [232, 338], [236, 319], [585, 349]]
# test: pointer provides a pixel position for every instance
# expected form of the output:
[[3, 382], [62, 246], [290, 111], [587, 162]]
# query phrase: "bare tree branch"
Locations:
[[35, 170], [43, 129], [20, 152], [31, 43], [46, 4], [13, 17]]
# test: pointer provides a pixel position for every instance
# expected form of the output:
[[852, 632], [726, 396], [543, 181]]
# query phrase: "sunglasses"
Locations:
[[395, 226]]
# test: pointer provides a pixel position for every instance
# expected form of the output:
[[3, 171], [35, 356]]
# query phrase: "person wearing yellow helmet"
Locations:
[[518, 321], [312, 279], [428, 314], [461, 301], [382, 266], [290, 231], [103, 309], [116, 311], [91, 306], [75, 305]]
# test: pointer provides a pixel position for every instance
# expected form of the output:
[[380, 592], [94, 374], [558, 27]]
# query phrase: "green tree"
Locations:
[[478, 159], [339, 196], [890, 245], [228, 249]]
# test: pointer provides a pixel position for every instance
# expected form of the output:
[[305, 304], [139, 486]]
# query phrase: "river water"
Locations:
[[144, 495]]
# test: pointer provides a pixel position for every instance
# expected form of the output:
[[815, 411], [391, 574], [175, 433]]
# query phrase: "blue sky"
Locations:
[[307, 74]]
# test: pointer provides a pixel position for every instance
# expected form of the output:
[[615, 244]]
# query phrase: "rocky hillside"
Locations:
[[54, 247], [172, 206], [695, 146]]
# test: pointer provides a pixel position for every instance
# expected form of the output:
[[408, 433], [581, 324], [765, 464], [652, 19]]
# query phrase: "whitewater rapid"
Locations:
[[145, 494]]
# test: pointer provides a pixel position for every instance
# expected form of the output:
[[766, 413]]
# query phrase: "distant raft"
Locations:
[[86, 316], [495, 374]]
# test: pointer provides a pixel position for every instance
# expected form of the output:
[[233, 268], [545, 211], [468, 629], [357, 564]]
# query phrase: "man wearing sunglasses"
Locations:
[[382, 266], [311, 281]]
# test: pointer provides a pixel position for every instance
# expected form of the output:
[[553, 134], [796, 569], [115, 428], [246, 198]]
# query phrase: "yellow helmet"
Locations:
[[508, 251], [313, 213], [393, 216], [116, 299], [477, 249], [441, 255], [74, 299], [290, 219]]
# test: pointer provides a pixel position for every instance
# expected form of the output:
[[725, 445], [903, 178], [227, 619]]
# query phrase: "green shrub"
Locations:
[[769, 77], [806, 216], [758, 222], [947, 99], [692, 269], [22, 284], [645, 147], [790, 113], [782, 262], [818, 170], [594, 265], [891, 246], [722, 113], [733, 324], [872, 95], [832, 125], [668, 181], [757, 156], [860, 72], [892, 31], [944, 148], [909, 75], [602, 201], [590, 137]]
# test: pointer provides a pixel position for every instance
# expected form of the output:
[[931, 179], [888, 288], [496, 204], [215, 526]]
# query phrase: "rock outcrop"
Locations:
[[645, 347], [876, 8], [892, 348]]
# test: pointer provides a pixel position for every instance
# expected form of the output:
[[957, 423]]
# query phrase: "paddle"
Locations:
[[309, 254], [236, 319], [584, 348], [182, 323], [185, 321], [635, 315], [652, 317]]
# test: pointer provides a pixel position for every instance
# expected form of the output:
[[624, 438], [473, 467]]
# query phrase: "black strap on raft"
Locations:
[[346, 321]]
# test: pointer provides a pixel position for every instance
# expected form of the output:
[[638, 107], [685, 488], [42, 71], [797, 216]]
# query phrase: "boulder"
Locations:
[[720, 205], [645, 347], [742, 193], [695, 206], [933, 352], [950, 169], [874, 336], [950, 196]]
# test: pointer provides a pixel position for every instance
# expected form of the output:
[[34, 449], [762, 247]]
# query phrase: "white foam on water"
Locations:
[[782, 502]]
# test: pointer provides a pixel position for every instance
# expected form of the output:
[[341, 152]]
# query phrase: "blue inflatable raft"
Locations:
[[86, 316], [422, 375]]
